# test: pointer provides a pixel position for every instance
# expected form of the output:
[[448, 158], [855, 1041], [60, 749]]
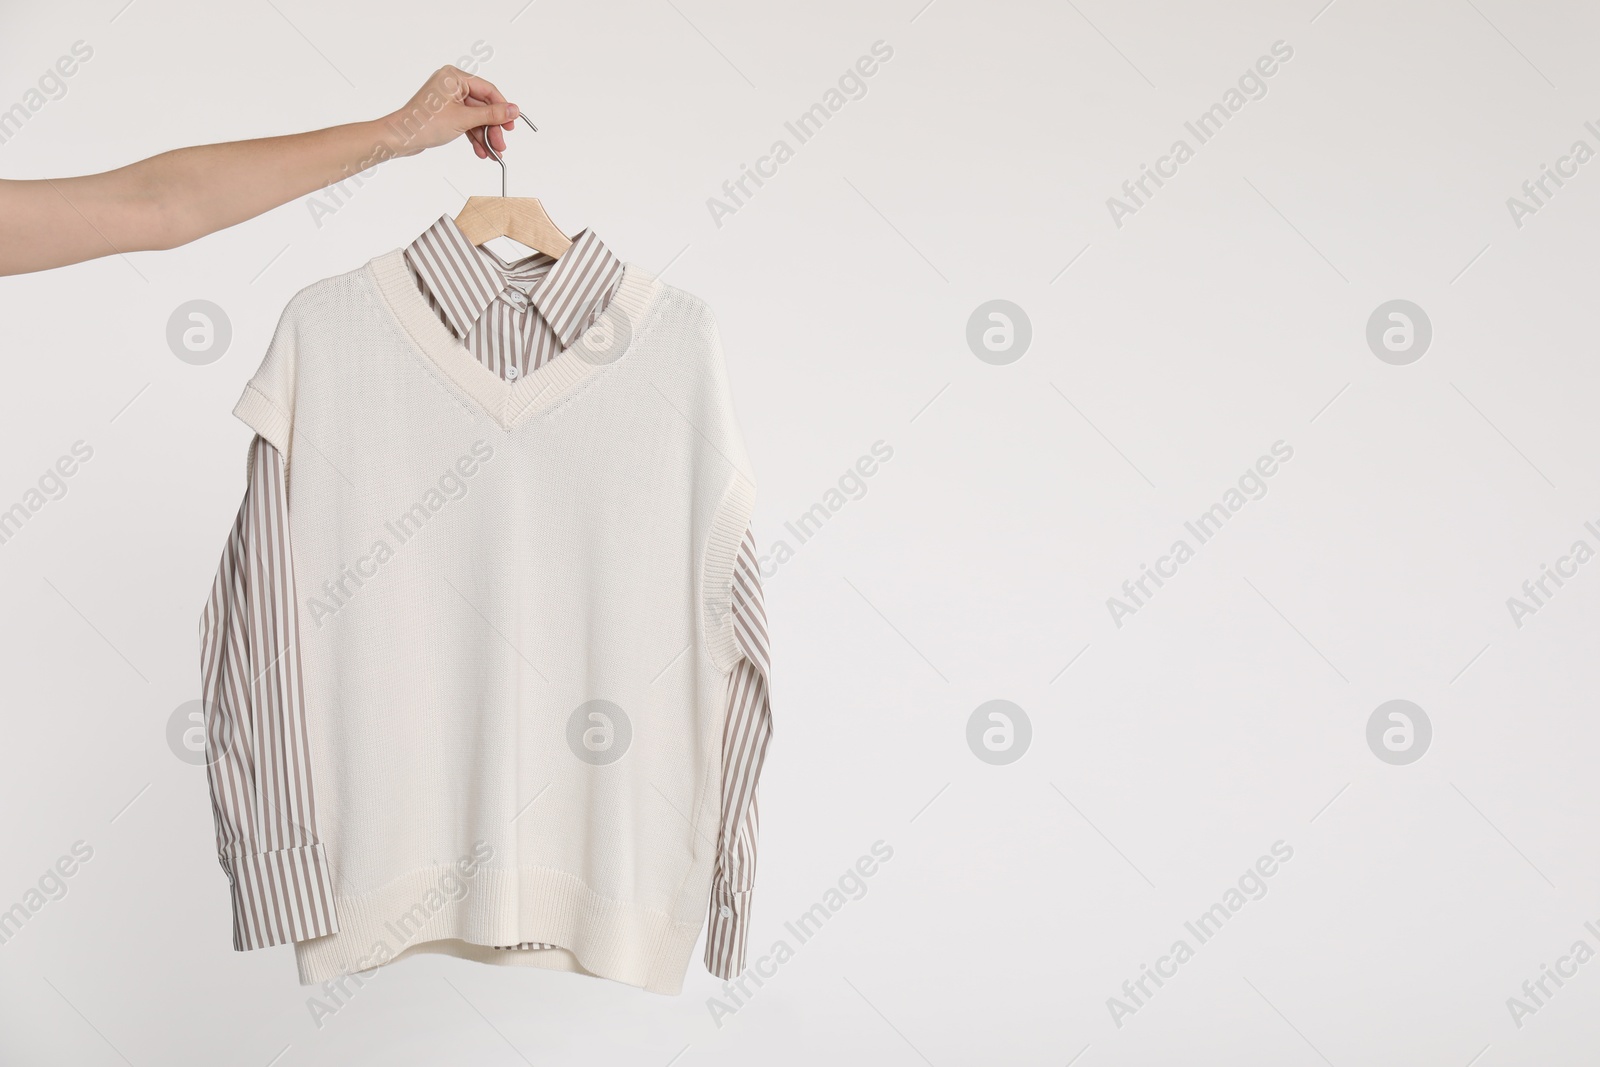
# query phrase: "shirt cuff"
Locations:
[[727, 930], [280, 896]]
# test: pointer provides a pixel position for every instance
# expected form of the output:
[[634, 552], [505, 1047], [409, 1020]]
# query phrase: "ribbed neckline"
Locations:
[[508, 403]]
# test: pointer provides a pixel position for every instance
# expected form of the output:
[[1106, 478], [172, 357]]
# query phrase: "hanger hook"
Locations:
[[496, 155]]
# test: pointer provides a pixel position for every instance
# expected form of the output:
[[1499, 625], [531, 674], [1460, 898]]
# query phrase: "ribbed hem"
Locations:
[[722, 551], [440, 909], [265, 418], [281, 896]]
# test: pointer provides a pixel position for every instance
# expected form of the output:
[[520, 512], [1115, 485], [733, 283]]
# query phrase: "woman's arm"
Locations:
[[178, 196]]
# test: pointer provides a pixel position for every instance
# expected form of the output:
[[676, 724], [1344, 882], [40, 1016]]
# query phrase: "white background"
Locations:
[[1228, 714]]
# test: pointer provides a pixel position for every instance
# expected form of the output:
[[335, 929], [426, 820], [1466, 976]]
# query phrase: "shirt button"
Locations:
[[512, 373], [725, 911]]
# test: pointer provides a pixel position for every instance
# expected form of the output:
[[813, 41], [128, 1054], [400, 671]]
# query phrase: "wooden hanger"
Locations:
[[521, 218]]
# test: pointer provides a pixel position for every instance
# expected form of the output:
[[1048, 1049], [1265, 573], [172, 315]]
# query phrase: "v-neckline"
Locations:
[[605, 341]]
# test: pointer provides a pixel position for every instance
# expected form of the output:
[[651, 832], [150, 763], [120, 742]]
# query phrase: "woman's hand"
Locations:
[[449, 104], [178, 196]]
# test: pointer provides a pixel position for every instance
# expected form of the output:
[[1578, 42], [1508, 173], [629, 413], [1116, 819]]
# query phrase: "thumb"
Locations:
[[470, 117]]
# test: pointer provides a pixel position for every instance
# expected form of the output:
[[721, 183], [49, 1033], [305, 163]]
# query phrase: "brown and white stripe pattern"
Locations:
[[514, 317], [257, 751], [261, 791], [745, 737]]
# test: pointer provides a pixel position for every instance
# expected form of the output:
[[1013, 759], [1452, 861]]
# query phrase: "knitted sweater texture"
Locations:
[[515, 633]]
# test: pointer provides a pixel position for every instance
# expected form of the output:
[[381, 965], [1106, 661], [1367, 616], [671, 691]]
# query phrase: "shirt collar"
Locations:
[[465, 279]]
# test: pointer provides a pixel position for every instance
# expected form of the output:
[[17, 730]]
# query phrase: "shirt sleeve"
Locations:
[[257, 748], [744, 749]]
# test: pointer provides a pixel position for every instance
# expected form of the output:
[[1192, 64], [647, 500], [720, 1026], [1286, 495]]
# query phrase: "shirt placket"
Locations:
[[515, 338], [524, 322]]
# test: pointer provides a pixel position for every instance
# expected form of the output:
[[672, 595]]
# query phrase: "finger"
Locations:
[[490, 133], [475, 127], [486, 92], [488, 120], [482, 91]]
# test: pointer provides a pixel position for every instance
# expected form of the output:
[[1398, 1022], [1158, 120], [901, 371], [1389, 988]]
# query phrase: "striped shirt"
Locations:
[[514, 317]]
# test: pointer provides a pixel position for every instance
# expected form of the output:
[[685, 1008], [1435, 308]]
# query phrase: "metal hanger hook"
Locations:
[[496, 155]]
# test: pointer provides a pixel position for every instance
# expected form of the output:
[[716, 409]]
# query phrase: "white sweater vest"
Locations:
[[514, 610]]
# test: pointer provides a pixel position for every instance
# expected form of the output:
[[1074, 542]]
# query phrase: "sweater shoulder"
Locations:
[[682, 309], [685, 323], [686, 327], [328, 298], [270, 397]]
